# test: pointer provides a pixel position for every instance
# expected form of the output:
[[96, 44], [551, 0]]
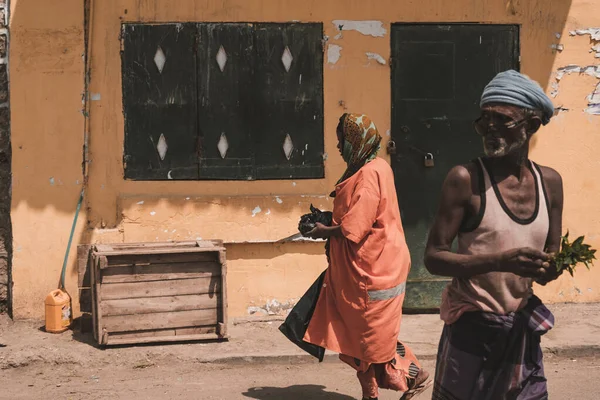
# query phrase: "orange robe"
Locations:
[[359, 308]]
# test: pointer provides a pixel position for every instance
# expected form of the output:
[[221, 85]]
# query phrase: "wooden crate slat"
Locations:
[[100, 261], [157, 272], [95, 316], [157, 333], [150, 245], [150, 305], [223, 309], [121, 260], [179, 287], [179, 319], [104, 247], [165, 250], [165, 339], [195, 330], [181, 244]]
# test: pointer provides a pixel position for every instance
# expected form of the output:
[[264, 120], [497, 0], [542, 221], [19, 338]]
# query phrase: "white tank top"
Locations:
[[498, 230]]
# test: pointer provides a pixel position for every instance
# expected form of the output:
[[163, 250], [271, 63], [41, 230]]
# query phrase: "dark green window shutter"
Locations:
[[288, 99], [225, 101], [159, 101]]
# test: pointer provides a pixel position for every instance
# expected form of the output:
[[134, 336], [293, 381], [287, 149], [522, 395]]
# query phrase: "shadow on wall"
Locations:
[[550, 18], [47, 74]]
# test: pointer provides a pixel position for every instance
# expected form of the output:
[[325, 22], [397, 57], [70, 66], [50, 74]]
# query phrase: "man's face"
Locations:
[[503, 129]]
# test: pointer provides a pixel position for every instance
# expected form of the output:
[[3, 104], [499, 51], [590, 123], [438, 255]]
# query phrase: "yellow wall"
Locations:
[[47, 77]]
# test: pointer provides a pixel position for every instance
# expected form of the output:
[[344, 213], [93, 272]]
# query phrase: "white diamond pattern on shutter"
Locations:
[[162, 147], [223, 145], [288, 146], [221, 58], [160, 59], [287, 59]]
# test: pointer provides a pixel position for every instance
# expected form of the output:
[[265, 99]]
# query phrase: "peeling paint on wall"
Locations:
[[272, 307], [593, 32], [367, 28], [256, 211], [333, 53], [594, 102], [594, 35], [591, 70], [554, 91], [376, 57], [595, 96]]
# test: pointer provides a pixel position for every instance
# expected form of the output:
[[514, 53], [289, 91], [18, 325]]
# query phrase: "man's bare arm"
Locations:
[[554, 189]]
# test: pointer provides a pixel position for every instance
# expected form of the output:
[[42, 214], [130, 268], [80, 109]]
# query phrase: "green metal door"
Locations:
[[438, 74]]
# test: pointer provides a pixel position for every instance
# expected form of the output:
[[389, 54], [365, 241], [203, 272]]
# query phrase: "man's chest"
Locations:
[[520, 198]]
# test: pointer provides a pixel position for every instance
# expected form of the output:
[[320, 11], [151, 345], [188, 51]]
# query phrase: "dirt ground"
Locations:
[[256, 363], [568, 379]]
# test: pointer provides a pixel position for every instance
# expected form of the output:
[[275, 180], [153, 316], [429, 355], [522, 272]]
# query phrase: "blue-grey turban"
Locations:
[[514, 88]]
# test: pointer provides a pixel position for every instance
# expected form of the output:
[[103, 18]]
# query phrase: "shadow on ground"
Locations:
[[296, 392]]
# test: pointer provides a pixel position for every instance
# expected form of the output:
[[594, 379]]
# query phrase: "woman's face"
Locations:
[[340, 137]]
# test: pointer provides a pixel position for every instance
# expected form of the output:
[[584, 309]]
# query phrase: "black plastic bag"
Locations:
[[309, 221], [295, 325]]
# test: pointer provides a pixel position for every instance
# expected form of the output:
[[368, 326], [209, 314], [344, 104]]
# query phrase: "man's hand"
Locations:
[[525, 262], [550, 274]]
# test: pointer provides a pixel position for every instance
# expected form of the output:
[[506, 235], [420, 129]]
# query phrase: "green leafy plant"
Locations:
[[571, 254]]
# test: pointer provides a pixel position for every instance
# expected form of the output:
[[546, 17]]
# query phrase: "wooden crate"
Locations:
[[158, 292]]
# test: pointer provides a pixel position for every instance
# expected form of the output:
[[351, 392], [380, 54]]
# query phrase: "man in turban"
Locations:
[[506, 212]]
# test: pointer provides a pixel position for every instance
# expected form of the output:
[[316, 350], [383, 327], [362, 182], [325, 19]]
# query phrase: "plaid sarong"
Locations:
[[486, 356]]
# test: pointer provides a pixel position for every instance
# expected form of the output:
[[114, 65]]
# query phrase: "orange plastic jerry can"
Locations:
[[58, 311]]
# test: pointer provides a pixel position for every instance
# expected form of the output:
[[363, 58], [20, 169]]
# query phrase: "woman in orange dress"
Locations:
[[359, 308]]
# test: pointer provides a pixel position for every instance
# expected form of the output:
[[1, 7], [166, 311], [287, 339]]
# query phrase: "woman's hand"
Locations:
[[324, 232], [319, 232]]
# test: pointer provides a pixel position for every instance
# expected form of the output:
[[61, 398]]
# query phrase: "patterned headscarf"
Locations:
[[361, 143]]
